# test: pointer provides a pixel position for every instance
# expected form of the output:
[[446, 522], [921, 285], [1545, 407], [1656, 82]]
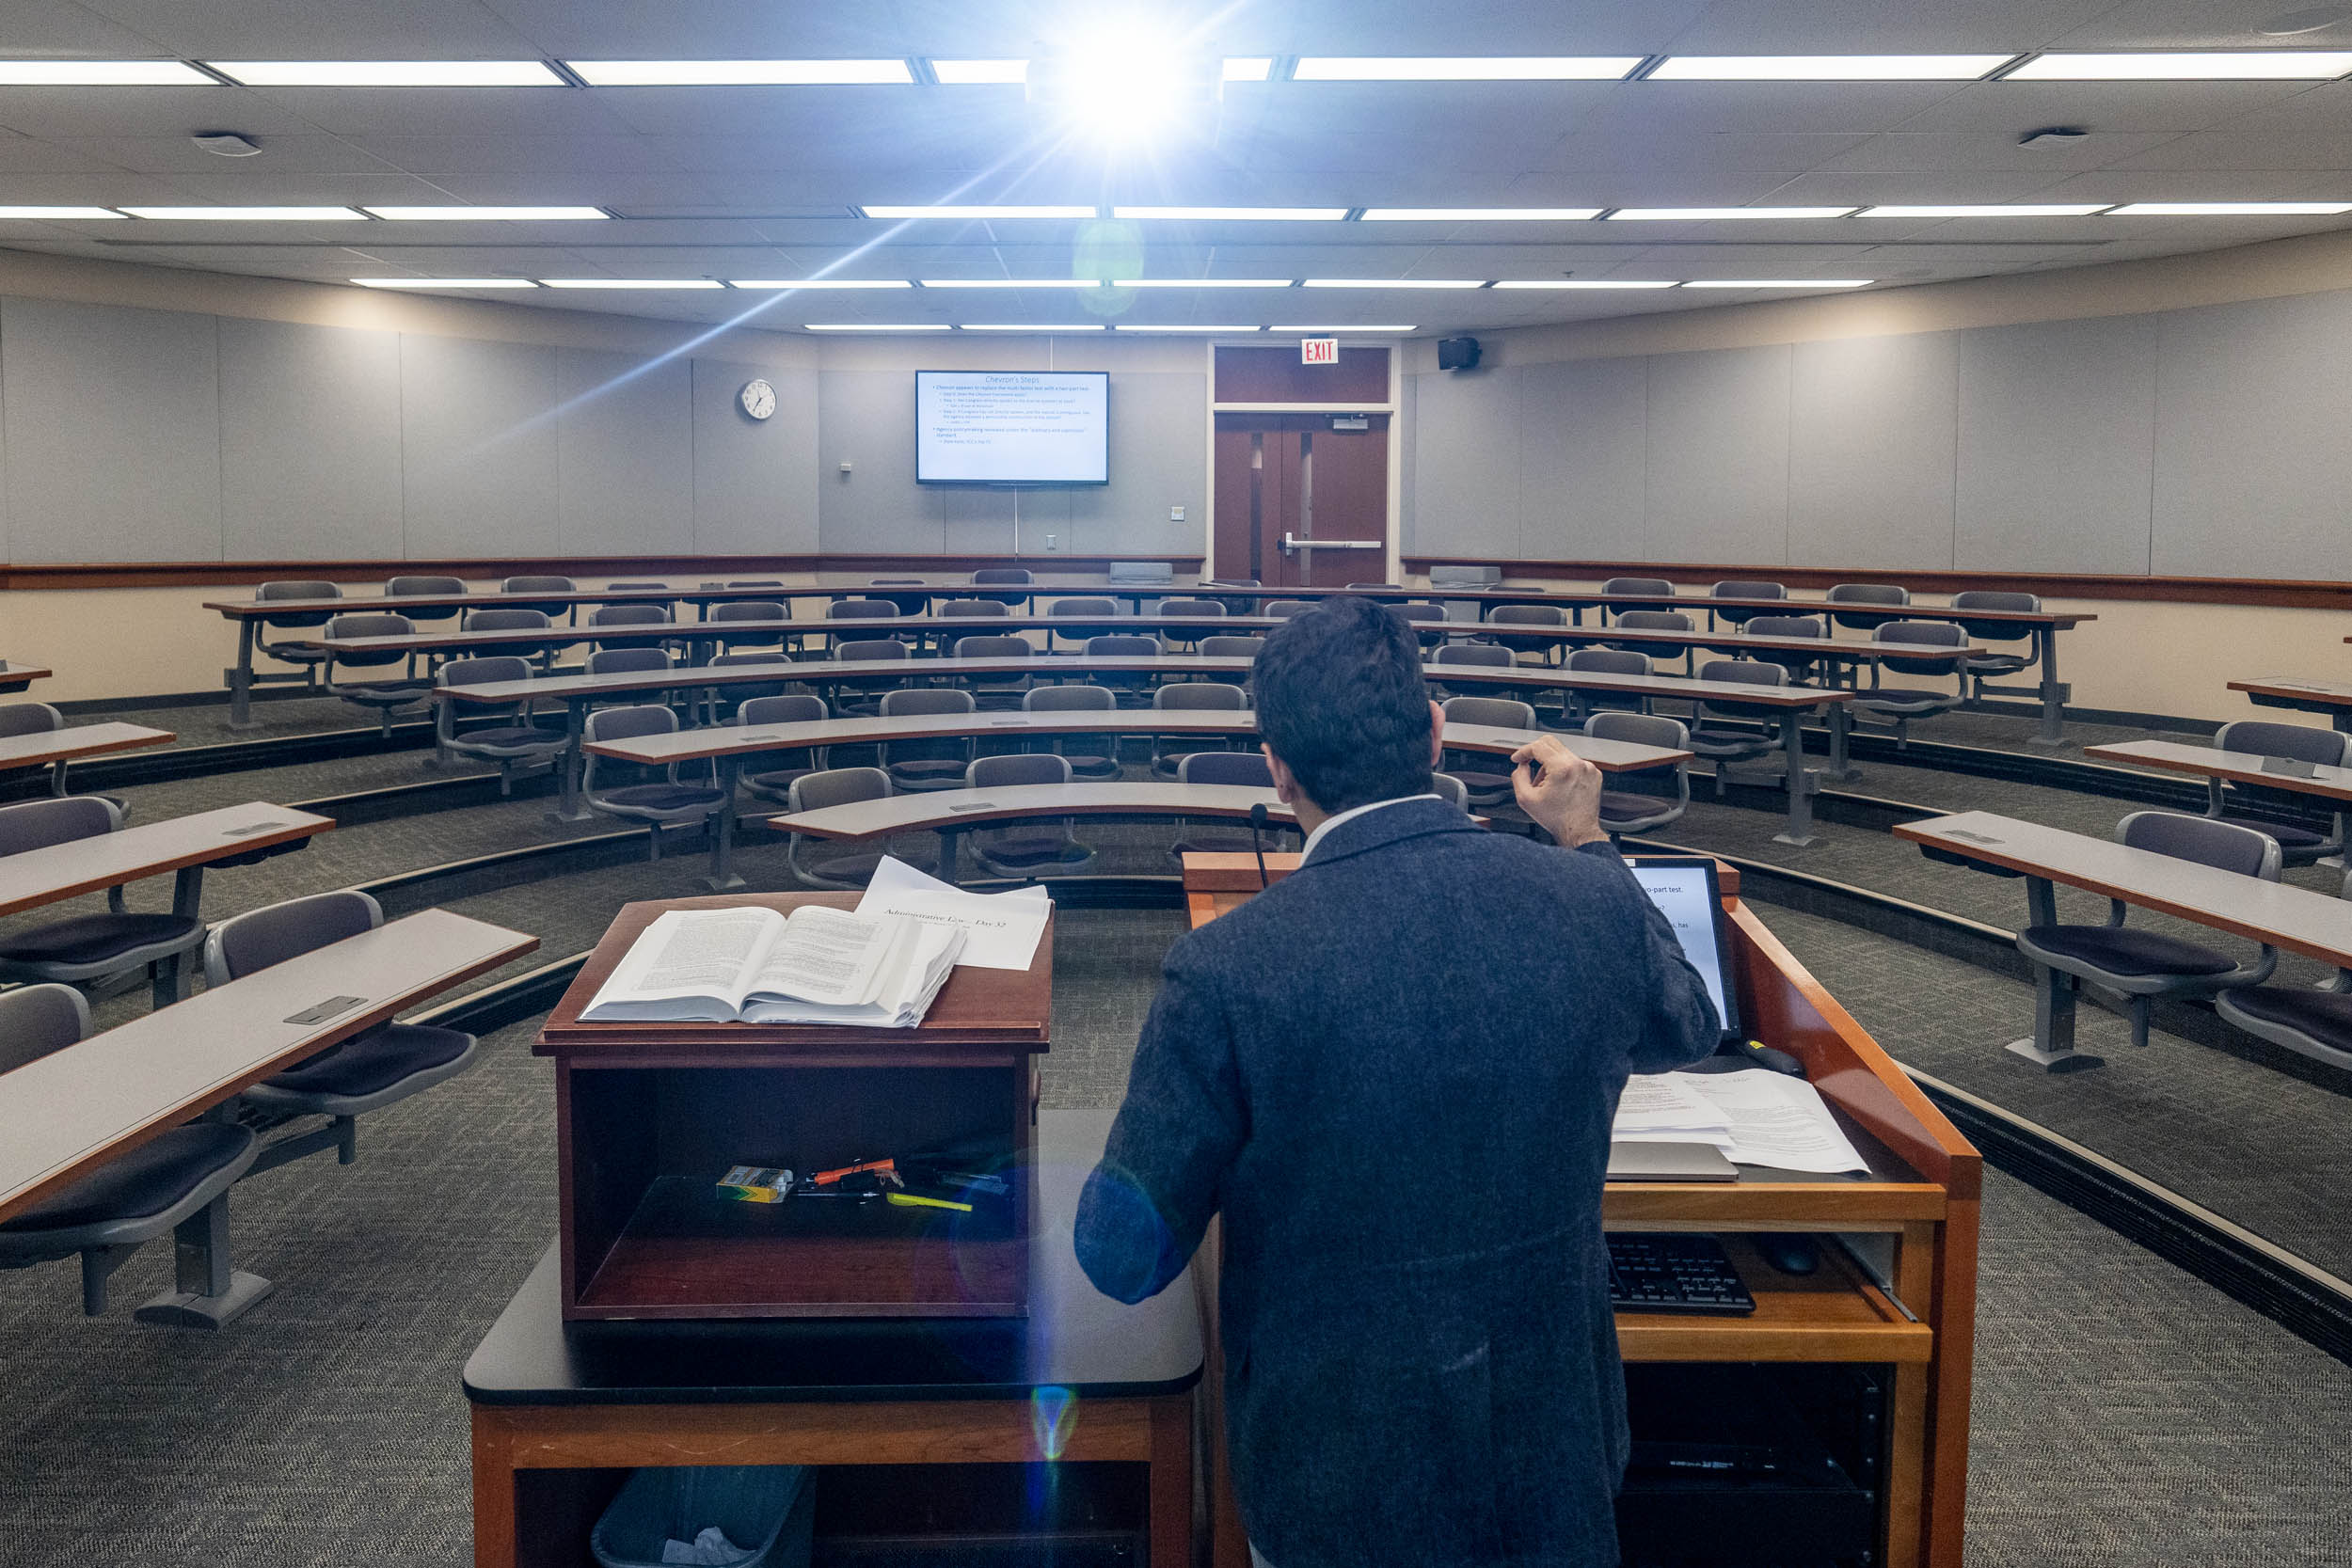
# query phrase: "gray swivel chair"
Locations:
[[1429, 621], [823, 863], [83, 948], [1200, 836], [981, 608], [41, 719], [1997, 664], [1486, 775], [1866, 592], [377, 1068], [311, 659], [716, 698], [1546, 649], [1231, 647], [623, 587], [1636, 588], [1740, 589], [1713, 735], [775, 782], [1801, 666], [2314, 1022], [1129, 686], [384, 695], [1090, 756], [749, 610], [1373, 585], [1185, 638], [636, 793], [862, 695], [1453, 791], [509, 739], [1168, 751], [626, 661], [1003, 574], [1657, 620], [105, 1216], [2142, 965], [630, 615], [1454, 664], [908, 604], [1650, 797], [542, 585], [1027, 849], [1084, 618], [2298, 842], [1282, 609], [518, 617], [1899, 704], [1576, 706], [1000, 694], [420, 587], [931, 764], [864, 610]]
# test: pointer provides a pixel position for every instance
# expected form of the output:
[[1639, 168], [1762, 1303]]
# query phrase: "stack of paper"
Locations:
[[1756, 1117], [1001, 929]]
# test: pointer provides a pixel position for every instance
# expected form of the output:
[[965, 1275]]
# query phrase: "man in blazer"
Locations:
[[1394, 1073]]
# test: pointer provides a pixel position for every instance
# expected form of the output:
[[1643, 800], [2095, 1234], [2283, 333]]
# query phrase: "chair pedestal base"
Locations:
[[194, 1310], [2068, 1060]]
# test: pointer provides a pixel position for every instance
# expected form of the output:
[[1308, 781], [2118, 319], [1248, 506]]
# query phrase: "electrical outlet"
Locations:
[[1053, 542], [1175, 513]]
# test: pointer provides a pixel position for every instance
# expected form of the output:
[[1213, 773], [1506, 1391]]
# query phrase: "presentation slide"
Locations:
[[1013, 427]]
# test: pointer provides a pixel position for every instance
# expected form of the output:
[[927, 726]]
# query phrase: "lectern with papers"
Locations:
[[652, 1116]]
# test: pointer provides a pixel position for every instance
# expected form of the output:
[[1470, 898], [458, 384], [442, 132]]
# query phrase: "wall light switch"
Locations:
[[847, 466], [1053, 542], [1175, 513]]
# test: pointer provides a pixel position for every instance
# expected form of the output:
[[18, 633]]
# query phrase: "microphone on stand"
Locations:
[[1257, 827]]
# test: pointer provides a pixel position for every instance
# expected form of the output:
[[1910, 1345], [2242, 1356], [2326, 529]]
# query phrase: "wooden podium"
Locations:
[[649, 1116], [1917, 1206]]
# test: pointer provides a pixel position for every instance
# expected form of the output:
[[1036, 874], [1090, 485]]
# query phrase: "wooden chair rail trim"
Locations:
[[2265, 593], [173, 574]]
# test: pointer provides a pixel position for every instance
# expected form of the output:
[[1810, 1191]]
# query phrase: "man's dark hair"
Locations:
[[1341, 701]]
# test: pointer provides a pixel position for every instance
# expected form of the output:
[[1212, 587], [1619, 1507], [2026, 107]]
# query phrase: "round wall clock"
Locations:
[[757, 398]]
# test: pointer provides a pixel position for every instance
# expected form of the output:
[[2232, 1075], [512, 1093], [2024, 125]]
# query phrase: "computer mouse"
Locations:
[[1789, 1254]]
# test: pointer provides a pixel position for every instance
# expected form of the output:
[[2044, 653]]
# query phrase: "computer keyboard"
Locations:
[[1675, 1273]]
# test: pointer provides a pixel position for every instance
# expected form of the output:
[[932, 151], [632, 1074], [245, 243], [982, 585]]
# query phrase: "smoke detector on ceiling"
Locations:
[[226, 144], [2053, 135]]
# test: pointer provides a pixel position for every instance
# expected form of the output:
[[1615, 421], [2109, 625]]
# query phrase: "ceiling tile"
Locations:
[[306, 29], [279, 156]]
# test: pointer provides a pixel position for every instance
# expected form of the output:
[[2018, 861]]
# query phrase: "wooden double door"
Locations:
[[1302, 499]]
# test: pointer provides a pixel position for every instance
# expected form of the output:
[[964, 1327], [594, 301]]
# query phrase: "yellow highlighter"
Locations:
[[915, 1200]]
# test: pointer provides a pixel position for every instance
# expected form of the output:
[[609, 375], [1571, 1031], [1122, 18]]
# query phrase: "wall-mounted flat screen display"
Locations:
[[1013, 427]]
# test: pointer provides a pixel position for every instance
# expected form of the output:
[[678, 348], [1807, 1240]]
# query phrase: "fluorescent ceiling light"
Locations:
[[2230, 209], [1012, 283], [1778, 283], [970, 73], [1021, 326], [1132, 326], [54, 214], [1483, 68], [630, 282], [1258, 214], [1478, 214], [1713, 214], [1827, 68], [739, 74], [389, 73], [101, 73], [874, 327], [2230, 64], [1247, 67], [1582, 283], [445, 282], [1396, 283], [246, 215], [820, 283], [1339, 329], [487, 214], [1202, 283], [2075, 210], [971, 212]]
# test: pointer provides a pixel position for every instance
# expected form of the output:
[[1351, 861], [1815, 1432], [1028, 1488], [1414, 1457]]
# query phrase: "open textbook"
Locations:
[[1756, 1117], [817, 965]]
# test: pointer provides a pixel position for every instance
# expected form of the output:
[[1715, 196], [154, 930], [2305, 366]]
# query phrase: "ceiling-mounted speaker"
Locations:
[[1457, 354]]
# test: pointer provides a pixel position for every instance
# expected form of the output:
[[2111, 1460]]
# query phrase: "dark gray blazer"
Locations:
[[1394, 1073]]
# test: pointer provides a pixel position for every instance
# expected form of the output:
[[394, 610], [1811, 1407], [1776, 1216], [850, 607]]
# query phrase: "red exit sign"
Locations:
[[1318, 351]]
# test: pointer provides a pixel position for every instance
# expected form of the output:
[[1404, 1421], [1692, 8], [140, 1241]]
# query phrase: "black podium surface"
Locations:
[[1075, 1339]]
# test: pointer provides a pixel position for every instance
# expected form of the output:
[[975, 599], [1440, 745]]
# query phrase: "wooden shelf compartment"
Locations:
[[1832, 1314]]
